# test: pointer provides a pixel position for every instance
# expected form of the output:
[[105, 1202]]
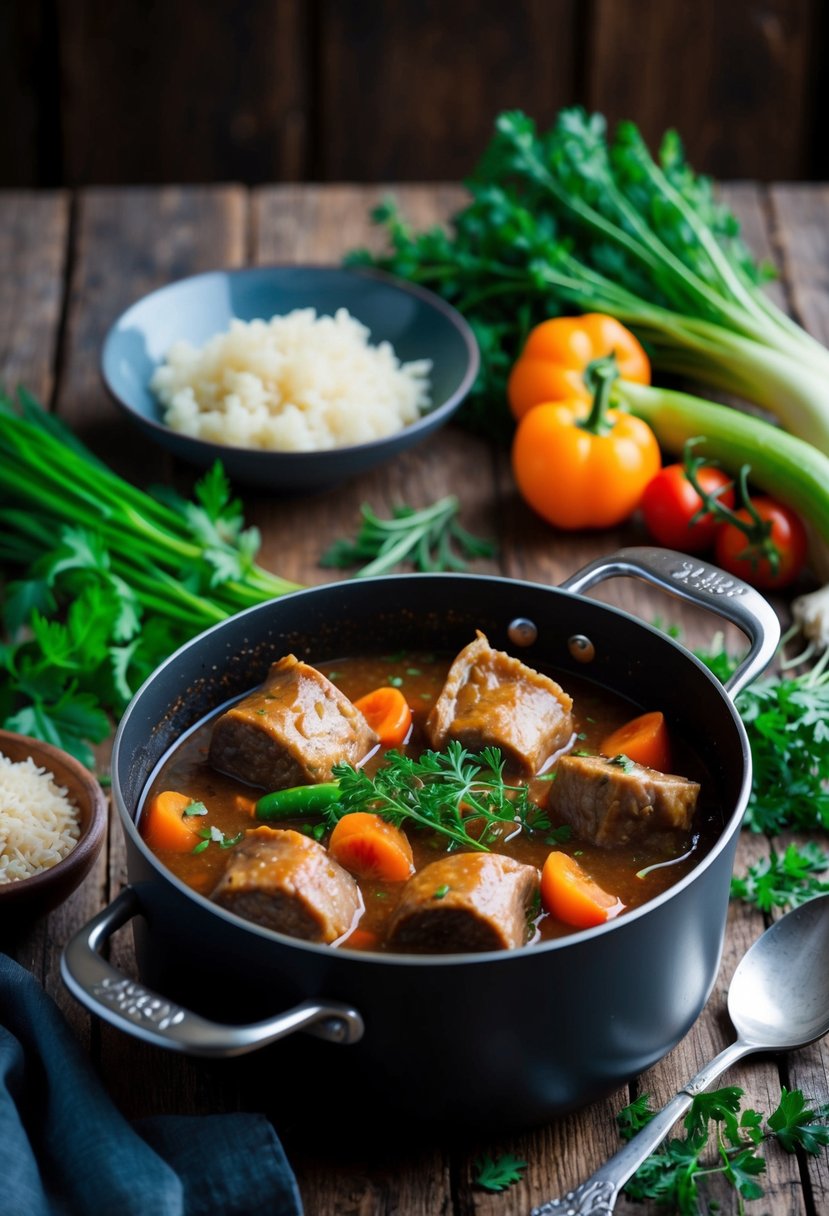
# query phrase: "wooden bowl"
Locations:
[[42, 892]]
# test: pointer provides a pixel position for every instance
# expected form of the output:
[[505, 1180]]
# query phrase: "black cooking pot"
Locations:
[[514, 1036]]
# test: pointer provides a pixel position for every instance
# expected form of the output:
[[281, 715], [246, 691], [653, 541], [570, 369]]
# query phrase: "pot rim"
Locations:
[[730, 827]]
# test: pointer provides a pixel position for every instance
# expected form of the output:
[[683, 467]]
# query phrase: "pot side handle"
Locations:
[[701, 584], [138, 1011]]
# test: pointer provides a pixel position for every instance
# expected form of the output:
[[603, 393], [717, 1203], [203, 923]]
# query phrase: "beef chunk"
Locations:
[[492, 699], [290, 731], [287, 882], [612, 804], [465, 902]]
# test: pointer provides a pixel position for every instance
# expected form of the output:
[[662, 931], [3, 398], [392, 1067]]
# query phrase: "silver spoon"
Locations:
[[778, 1000]]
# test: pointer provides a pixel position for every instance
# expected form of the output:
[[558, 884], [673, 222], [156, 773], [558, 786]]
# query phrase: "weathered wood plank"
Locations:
[[685, 66], [800, 230], [27, 96], [443, 71], [206, 93], [33, 249]]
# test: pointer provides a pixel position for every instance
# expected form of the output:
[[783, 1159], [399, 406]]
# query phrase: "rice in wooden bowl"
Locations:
[[53, 817]]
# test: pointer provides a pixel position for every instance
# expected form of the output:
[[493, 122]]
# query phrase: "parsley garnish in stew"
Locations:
[[214, 835], [195, 808], [463, 797]]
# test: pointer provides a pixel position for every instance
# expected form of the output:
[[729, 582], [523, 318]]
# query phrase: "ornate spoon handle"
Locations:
[[597, 1195]]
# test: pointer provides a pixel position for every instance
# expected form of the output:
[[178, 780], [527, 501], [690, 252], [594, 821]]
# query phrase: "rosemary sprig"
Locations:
[[431, 539]]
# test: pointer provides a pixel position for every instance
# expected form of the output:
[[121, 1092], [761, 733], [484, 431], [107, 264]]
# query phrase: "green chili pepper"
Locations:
[[298, 800]]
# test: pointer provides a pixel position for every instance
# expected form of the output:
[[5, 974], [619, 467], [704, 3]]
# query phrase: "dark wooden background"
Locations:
[[142, 91]]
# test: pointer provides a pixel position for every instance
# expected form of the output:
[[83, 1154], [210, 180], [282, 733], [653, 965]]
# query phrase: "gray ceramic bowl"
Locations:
[[418, 324]]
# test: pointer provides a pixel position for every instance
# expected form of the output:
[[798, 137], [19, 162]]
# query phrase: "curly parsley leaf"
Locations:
[[498, 1173]]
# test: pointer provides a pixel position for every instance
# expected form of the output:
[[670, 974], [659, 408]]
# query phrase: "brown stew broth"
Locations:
[[596, 712]]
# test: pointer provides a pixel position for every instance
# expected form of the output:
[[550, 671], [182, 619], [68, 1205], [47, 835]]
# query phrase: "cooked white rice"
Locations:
[[39, 825], [297, 383]]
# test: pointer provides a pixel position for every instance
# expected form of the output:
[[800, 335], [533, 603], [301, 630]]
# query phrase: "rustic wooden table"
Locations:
[[70, 264]]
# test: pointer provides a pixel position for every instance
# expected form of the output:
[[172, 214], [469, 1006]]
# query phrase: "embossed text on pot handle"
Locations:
[[132, 1007]]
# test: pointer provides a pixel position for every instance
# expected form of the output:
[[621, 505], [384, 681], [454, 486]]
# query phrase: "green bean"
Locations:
[[298, 800]]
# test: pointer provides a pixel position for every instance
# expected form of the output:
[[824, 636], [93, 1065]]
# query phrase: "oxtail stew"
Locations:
[[417, 802]]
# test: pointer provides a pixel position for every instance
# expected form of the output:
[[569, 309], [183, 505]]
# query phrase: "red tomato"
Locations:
[[747, 559], [670, 503]]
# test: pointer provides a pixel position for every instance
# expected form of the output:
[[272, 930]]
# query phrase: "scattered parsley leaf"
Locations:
[[632, 1118], [498, 1173], [213, 835], [794, 1123], [783, 880], [672, 1176]]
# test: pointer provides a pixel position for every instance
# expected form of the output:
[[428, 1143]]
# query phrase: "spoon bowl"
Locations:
[[779, 995]]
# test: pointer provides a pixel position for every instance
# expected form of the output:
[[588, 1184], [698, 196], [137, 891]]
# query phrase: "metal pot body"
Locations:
[[513, 1037]]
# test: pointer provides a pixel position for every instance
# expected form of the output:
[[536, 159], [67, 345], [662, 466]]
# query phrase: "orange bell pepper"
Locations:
[[581, 466], [558, 352]]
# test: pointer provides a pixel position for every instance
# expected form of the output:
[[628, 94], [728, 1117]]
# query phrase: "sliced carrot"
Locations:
[[388, 714], [643, 739], [165, 826], [244, 805], [571, 895], [367, 846], [362, 939]]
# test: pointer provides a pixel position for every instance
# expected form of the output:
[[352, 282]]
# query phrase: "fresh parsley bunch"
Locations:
[[787, 721], [573, 220]]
